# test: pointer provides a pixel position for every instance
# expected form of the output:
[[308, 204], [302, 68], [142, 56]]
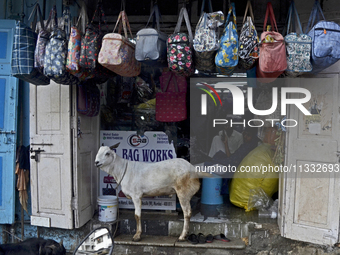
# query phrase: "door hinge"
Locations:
[[7, 132], [72, 122], [74, 203]]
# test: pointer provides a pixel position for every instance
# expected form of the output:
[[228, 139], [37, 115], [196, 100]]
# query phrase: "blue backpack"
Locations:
[[326, 40], [227, 56]]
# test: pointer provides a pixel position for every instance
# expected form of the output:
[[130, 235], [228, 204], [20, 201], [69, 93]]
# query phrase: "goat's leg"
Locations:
[[138, 211], [185, 204]]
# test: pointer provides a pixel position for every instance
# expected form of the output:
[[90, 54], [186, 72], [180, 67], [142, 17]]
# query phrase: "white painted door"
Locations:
[[85, 175], [309, 200], [63, 177], [51, 169]]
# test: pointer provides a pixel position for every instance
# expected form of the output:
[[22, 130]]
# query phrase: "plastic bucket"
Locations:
[[211, 191], [107, 207]]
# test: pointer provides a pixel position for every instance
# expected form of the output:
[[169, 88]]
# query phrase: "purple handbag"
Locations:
[[88, 98]]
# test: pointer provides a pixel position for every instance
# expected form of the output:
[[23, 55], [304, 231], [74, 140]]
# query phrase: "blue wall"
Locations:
[[70, 237]]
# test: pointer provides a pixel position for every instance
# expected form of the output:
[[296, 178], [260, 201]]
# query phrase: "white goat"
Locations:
[[139, 179]]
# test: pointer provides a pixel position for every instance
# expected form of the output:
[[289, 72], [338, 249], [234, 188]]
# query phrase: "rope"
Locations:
[[114, 234]]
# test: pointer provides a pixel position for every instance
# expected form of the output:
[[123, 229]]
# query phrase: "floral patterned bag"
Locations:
[[56, 53], [73, 55], [92, 41], [249, 41], [227, 56], [118, 53], [179, 47], [43, 38], [298, 47], [206, 41]]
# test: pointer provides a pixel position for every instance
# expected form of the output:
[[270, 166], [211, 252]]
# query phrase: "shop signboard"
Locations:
[[151, 147]]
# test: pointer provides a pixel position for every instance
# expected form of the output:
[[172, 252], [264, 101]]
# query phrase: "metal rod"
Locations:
[[5, 231], [22, 223]]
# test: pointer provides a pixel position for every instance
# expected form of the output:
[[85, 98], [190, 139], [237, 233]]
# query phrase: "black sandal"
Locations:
[[201, 238], [209, 238], [192, 239], [221, 237]]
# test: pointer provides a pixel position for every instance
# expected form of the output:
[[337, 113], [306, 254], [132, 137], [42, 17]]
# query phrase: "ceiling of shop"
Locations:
[[139, 10]]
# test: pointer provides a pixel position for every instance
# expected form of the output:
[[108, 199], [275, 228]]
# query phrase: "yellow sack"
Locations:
[[249, 176], [151, 104]]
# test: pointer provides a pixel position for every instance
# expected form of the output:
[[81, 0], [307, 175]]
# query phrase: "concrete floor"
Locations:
[[229, 212]]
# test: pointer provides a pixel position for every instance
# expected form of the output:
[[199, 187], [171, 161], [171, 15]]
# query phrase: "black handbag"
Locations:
[[109, 191], [151, 43]]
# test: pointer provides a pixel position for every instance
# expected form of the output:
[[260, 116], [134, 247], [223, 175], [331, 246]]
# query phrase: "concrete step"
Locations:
[[172, 225], [169, 245]]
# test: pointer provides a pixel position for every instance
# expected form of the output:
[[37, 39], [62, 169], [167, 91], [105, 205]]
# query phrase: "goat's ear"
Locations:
[[114, 146], [61, 243]]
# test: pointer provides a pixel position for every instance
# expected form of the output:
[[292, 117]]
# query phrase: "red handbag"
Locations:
[[171, 106], [174, 78], [272, 60]]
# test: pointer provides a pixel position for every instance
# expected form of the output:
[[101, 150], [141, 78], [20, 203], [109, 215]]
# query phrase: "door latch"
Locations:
[[36, 153]]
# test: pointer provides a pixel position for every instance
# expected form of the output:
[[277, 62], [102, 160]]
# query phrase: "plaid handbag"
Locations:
[[56, 53], [179, 47], [171, 106], [23, 54]]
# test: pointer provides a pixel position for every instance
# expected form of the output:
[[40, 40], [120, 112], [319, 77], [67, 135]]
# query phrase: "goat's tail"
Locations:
[[198, 172]]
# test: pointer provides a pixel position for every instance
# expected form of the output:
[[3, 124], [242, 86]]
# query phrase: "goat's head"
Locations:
[[105, 155]]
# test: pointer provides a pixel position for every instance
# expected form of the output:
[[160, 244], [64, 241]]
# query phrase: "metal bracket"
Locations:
[[36, 153]]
